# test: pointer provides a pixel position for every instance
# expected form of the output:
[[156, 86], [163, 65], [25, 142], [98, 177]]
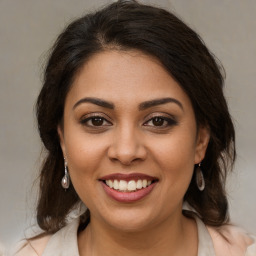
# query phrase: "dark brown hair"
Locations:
[[129, 25]]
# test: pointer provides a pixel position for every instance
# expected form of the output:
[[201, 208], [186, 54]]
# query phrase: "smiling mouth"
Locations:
[[128, 186], [128, 182]]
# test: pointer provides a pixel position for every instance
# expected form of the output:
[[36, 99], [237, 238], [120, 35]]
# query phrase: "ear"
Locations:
[[203, 137], [61, 138]]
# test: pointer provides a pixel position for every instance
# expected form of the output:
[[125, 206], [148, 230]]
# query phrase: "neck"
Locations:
[[174, 236]]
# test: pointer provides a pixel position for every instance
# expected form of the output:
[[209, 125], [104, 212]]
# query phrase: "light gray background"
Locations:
[[27, 30]]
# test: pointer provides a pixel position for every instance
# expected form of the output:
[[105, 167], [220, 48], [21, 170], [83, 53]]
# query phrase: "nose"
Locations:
[[127, 146]]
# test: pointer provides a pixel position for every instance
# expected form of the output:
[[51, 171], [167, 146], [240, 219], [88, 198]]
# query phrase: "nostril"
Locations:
[[125, 160], [126, 151]]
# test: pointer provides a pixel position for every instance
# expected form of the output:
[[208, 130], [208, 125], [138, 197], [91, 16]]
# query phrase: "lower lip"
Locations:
[[128, 197]]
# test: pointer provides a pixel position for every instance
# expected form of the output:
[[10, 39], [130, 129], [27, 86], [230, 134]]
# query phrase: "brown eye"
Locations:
[[97, 121], [158, 121], [161, 122]]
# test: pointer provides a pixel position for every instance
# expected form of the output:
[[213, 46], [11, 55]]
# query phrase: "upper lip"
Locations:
[[129, 176]]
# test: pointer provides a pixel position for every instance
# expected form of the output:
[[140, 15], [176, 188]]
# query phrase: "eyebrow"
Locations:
[[156, 102], [96, 101], [142, 106]]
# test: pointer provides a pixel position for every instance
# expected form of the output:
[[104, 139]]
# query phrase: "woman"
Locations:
[[136, 127]]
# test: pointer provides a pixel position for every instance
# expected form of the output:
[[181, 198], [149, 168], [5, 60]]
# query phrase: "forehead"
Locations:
[[125, 76]]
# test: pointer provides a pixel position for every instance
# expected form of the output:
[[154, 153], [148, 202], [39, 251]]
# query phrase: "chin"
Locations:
[[130, 220]]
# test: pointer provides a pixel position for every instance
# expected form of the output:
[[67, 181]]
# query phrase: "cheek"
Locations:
[[84, 159], [177, 167], [175, 151], [175, 157], [84, 155]]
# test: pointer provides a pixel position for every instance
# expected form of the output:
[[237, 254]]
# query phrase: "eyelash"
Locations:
[[91, 118], [166, 120]]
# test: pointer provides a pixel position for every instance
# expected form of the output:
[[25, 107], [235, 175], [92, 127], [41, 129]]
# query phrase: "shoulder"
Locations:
[[64, 241], [232, 240], [32, 247]]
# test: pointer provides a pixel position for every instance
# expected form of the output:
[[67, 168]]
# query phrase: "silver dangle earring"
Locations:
[[65, 182], [200, 178]]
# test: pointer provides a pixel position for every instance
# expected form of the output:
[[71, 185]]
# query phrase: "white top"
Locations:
[[211, 242]]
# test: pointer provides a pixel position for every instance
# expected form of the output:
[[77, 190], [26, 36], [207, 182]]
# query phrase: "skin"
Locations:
[[128, 140]]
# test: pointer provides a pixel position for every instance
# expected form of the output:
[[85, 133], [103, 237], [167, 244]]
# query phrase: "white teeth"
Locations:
[[122, 185], [110, 184], [131, 185], [139, 184], [116, 184]]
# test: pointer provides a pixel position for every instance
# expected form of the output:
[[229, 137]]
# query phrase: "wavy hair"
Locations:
[[128, 25]]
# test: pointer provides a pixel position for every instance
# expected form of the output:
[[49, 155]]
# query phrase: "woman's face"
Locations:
[[130, 140]]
